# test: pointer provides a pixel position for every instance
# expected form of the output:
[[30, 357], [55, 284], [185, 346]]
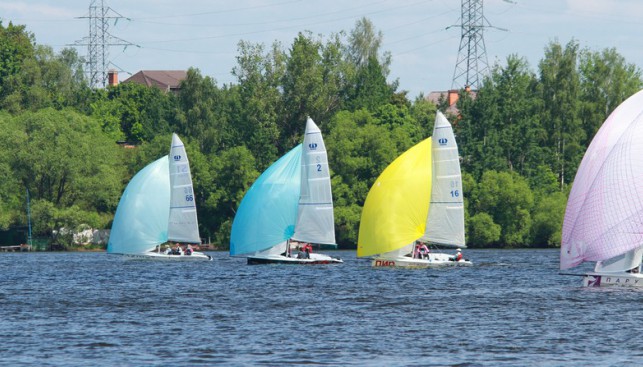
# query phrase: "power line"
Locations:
[[221, 11], [291, 26]]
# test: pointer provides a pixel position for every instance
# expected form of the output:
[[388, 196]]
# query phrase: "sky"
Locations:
[[422, 36]]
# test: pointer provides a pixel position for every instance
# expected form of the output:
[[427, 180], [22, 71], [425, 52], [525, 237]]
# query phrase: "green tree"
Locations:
[[423, 112], [482, 231], [73, 171], [63, 158], [364, 43], [12, 190], [200, 113], [548, 220], [233, 173], [16, 46], [134, 112], [606, 80], [259, 77], [507, 198], [560, 82], [47, 80], [311, 85], [370, 89], [367, 86], [500, 130]]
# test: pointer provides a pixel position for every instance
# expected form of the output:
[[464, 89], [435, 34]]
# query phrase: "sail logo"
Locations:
[[312, 146], [177, 157], [443, 141], [593, 281]]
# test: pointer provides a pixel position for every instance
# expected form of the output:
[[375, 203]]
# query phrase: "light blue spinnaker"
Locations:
[[141, 219], [268, 212]]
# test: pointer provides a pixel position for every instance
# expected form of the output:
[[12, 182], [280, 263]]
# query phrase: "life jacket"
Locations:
[[458, 257]]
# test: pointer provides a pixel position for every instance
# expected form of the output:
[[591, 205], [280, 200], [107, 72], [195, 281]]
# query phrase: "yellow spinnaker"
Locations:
[[395, 211]]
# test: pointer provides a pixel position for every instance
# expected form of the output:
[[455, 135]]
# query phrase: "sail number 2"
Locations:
[[455, 193]]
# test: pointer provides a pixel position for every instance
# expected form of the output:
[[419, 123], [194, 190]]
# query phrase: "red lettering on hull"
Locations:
[[384, 263]]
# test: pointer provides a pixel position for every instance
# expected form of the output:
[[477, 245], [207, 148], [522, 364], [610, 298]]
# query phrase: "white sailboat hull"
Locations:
[[435, 260], [613, 280], [196, 256], [315, 259]]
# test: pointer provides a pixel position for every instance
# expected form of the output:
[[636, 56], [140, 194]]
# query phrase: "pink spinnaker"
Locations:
[[604, 215]]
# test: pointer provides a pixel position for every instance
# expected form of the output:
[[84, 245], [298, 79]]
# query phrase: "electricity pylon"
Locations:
[[99, 41], [472, 63]]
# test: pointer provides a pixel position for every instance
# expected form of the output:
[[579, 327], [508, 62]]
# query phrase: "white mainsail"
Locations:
[[445, 222], [315, 219], [183, 223]]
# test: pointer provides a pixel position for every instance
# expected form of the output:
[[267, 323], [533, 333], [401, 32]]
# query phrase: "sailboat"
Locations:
[[416, 200], [604, 216], [158, 206], [288, 208]]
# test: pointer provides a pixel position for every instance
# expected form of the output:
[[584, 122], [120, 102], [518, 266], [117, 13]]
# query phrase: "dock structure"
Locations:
[[16, 248]]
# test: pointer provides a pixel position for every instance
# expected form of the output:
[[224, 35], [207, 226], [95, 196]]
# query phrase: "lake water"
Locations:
[[510, 309]]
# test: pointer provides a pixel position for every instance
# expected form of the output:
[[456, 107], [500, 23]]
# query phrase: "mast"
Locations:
[[29, 238]]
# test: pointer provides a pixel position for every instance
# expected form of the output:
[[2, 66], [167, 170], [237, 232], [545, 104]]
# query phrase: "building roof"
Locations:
[[451, 96], [166, 80]]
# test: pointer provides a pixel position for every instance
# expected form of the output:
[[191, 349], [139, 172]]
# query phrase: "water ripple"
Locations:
[[512, 308]]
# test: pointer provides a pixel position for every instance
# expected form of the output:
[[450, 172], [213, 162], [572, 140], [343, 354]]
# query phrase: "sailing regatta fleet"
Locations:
[[416, 201]]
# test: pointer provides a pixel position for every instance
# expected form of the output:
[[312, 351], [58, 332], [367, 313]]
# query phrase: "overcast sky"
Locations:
[[172, 34]]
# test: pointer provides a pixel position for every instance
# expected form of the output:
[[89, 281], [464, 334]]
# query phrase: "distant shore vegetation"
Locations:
[[521, 138]]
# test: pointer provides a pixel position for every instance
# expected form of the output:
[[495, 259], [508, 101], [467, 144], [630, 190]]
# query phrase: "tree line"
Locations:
[[521, 135]]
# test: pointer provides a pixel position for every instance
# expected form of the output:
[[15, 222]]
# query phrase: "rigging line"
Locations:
[[221, 11], [202, 52], [501, 12], [416, 22], [280, 28], [412, 37], [575, 14], [15, 20], [316, 16], [425, 46]]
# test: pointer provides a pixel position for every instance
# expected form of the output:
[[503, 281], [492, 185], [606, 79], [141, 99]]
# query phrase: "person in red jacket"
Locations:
[[458, 255]]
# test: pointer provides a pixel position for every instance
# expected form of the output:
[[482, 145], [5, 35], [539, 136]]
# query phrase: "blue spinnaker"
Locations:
[[141, 219], [268, 212]]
